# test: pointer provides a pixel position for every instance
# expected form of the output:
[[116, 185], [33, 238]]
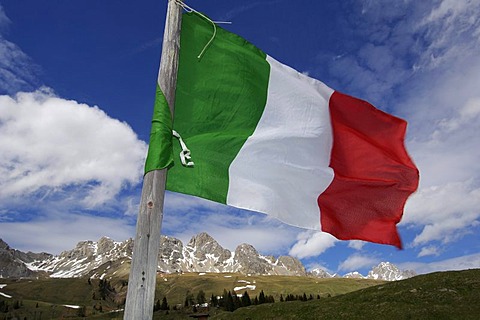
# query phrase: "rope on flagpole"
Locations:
[[214, 24]]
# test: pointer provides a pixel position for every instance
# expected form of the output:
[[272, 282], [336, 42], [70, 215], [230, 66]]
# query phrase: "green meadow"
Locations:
[[441, 295]]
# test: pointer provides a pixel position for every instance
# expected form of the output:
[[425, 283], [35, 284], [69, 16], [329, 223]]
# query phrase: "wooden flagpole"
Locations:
[[143, 270]]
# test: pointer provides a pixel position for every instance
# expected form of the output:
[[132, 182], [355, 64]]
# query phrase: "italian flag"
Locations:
[[267, 138]]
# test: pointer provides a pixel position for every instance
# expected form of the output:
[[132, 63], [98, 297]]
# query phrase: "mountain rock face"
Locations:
[[85, 257], [389, 272], [384, 271], [202, 254], [205, 254], [320, 273], [13, 263], [354, 275]]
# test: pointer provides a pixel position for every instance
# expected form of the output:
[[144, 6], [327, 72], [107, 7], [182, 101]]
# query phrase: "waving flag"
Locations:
[[258, 135]]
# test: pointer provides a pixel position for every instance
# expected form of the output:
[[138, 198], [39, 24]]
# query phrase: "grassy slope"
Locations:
[[176, 286], [446, 295], [442, 295], [51, 294], [46, 298]]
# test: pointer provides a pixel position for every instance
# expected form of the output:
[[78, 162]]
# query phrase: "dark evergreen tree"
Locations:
[[261, 297], [213, 301], [246, 300], [281, 298], [189, 299], [229, 304], [201, 297], [222, 302], [156, 306], [237, 303], [164, 305]]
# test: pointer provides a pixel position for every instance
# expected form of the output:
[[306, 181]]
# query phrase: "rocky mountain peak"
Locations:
[[250, 261], [201, 239], [203, 244], [292, 265], [319, 273], [13, 263], [389, 272], [3, 245], [245, 249], [354, 275], [104, 245], [82, 249]]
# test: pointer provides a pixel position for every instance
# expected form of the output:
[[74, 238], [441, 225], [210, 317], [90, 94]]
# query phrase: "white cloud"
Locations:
[[181, 203], [452, 18], [447, 212], [52, 147], [229, 226], [356, 244], [316, 265], [447, 149], [357, 261], [17, 71], [444, 111], [4, 20], [312, 243], [429, 251], [267, 239], [460, 263], [433, 204], [132, 205], [62, 231]]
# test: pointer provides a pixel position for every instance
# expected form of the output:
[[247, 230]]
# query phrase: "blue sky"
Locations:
[[77, 84]]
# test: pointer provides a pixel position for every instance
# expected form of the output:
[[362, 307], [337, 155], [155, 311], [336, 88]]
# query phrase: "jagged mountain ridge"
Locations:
[[202, 254], [384, 271], [205, 254], [13, 263]]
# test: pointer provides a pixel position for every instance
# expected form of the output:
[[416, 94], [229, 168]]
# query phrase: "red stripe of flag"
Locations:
[[374, 174]]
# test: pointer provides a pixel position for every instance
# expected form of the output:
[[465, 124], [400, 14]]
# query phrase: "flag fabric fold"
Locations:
[[267, 138], [160, 150]]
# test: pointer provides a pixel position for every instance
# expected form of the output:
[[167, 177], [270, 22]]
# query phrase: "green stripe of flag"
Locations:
[[219, 101]]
